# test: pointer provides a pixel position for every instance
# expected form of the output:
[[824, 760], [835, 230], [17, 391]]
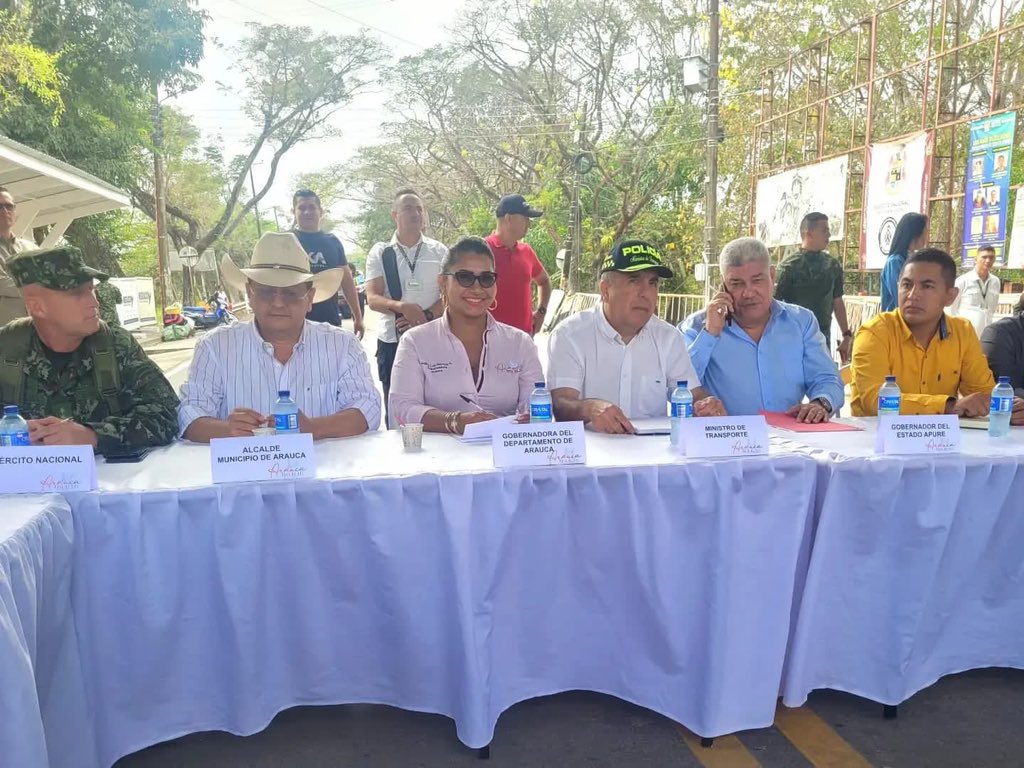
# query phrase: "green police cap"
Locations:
[[635, 256]]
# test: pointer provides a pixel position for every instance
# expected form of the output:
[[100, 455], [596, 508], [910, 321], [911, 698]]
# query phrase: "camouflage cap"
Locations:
[[60, 269]]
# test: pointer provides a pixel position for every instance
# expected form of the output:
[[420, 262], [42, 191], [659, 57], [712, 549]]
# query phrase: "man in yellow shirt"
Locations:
[[936, 359]]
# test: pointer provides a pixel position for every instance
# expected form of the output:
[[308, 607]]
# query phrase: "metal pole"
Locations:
[[711, 190], [160, 203], [255, 206]]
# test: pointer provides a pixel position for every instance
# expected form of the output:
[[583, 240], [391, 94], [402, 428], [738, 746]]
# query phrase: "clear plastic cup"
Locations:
[[412, 437]]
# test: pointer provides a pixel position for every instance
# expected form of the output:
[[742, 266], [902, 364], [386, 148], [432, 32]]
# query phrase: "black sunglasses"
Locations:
[[465, 278]]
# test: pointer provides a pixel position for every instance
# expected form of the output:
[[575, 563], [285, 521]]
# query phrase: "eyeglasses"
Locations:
[[292, 295], [7, 206], [465, 278]]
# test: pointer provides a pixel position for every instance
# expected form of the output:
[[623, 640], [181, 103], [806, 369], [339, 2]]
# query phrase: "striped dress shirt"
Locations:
[[234, 367]]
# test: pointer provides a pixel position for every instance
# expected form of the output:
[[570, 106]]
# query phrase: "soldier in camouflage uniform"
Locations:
[[76, 380], [109, 296], [813, 278]]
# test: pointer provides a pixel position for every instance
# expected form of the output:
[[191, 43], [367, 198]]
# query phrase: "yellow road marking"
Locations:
[[816, 740], [727, 752]]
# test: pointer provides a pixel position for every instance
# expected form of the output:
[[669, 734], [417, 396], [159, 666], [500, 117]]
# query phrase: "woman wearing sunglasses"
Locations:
[[464, 367]]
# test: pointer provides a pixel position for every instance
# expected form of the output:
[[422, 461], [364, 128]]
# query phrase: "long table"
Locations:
[[43, 715], [434, 583], [917, 570], [699, 589]]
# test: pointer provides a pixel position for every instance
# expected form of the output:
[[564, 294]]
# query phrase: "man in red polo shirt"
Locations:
[[518, 267]]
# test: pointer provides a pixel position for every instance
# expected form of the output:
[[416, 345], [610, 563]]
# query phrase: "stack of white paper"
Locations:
[[482, 431]]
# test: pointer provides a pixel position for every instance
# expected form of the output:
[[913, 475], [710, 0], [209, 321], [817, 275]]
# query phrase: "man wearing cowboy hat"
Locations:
[[617, 361], [238, 370]]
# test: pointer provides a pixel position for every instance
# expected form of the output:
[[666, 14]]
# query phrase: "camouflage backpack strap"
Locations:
[[15, 339], [104, 368]]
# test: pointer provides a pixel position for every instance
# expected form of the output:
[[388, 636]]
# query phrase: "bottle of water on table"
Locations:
[[1000, 409], [889, 397], [682, 408], [286, 414], [540, 405], [13, 428]]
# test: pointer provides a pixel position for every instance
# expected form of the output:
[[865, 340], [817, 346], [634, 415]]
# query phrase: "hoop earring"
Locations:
[[493, 306]]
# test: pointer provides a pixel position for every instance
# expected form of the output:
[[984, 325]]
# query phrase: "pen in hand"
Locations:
[[470, 401]]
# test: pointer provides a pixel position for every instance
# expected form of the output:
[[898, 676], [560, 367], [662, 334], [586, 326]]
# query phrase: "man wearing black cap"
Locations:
[[518, 267], [618, 361]]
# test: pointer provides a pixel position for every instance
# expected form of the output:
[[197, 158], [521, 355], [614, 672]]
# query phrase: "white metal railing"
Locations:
[[676, 307]]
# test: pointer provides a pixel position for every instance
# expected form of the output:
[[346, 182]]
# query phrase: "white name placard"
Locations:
[[40, 469], [718, 436], [266, 457], [909, 435], [540, 445]]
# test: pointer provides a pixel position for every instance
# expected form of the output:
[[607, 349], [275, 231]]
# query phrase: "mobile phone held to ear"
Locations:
[[728, 315], [128, 457]]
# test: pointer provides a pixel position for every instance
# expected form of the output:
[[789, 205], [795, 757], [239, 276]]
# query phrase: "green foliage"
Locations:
[[27, 71]]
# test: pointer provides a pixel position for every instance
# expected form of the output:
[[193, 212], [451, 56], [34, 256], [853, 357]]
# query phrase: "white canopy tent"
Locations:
[[51, 192]]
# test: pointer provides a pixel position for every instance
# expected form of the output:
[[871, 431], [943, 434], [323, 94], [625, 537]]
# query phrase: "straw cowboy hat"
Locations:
[[279, 260]]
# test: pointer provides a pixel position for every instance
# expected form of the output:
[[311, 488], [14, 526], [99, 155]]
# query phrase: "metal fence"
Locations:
[[676, 307], [672, 307]]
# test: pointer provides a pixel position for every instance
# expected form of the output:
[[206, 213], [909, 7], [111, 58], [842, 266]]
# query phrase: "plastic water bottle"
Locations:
[[540, 405], [13, 428], [889, 397], [999, 411], [286, 414], [682, 408]]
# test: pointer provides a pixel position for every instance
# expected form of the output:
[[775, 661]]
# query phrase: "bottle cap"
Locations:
[[283, 393], [10, 410], [1004, 380], [890, 379], [539, 385], [682, 383]]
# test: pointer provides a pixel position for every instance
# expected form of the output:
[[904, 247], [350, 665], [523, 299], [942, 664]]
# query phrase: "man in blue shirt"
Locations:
[[758, 354], [325, 252]]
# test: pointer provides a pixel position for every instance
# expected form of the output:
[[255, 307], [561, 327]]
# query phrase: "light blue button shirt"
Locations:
[[789, 362]]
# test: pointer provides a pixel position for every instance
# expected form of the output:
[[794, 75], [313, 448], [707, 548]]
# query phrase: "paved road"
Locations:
[[971, 720], [967, 721]]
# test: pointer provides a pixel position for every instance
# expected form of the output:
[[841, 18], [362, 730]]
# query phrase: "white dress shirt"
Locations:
[[978, 300], [419, 285], [234, 367], [586, 354]]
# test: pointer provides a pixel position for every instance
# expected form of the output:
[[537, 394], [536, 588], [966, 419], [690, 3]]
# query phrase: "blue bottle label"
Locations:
[[682, 410], [286, 422], [15, 439], [540, 412], [1001, 404], [889, 404]]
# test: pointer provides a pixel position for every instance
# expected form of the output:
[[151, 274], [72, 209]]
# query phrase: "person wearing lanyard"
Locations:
[[978, 298], [466, 367], [412, 295]]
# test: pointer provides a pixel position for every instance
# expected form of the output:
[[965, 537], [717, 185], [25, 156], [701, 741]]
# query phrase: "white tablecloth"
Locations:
[[917, 569], [431, 582], [43, 721]]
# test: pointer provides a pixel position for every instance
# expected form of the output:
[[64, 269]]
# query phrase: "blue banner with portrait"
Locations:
[[987, 190]]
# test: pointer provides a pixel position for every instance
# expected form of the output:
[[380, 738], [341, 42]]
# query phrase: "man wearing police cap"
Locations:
[[617, 361], [76, 380]]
